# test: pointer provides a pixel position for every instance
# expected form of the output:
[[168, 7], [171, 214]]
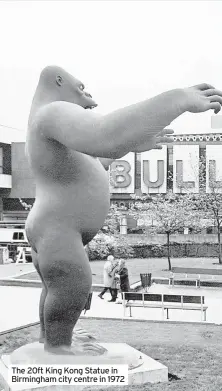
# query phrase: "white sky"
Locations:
[[124, 51]]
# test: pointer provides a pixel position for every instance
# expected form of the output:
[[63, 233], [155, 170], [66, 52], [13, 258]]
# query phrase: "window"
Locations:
[[15, 236], [18, 236]]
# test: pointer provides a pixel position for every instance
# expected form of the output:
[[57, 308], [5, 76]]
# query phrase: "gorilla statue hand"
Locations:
[[203, 97]]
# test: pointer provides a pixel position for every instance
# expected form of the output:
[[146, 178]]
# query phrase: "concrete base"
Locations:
[[146, 371]]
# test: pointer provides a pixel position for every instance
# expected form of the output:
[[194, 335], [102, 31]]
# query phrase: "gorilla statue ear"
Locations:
[[59, 80]]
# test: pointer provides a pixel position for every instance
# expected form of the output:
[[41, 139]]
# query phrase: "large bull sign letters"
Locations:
[[154, 170]]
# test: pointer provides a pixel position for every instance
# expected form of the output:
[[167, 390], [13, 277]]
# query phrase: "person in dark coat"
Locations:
[[123, 278]]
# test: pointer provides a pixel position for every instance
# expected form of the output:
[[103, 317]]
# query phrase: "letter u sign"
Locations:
[[160, 174]]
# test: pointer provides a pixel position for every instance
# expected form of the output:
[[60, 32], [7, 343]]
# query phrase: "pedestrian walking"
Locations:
[[123, 278], [108, 276], [115, 283]]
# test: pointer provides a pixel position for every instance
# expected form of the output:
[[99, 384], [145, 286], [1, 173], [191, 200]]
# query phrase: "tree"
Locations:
[[209, 201], [108, 241], [170, 213], [111, 224]]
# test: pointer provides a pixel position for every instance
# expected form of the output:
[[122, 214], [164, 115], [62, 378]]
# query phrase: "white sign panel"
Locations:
[[214, 168], [122, 174], [186, 168], [154, 171]]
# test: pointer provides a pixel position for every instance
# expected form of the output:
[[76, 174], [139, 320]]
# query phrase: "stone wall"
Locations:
[[151, 246], [178, 238], [178, 250]]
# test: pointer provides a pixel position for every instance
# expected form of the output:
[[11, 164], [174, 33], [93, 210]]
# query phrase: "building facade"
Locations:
[[175, 167]]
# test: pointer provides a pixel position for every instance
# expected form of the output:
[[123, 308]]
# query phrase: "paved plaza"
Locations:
[[19, 306], [13, 269]]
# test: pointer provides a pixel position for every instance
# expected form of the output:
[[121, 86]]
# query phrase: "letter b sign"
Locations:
[[119, 174]]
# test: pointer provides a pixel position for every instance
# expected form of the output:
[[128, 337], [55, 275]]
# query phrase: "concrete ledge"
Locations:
[[21, 282], [131, 319], [187, 282], [12, 281], [19, 328]]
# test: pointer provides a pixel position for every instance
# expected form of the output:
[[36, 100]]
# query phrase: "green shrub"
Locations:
[[103, 245]]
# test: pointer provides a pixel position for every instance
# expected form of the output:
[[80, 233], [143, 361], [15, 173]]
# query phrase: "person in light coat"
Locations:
[[110, 268]]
